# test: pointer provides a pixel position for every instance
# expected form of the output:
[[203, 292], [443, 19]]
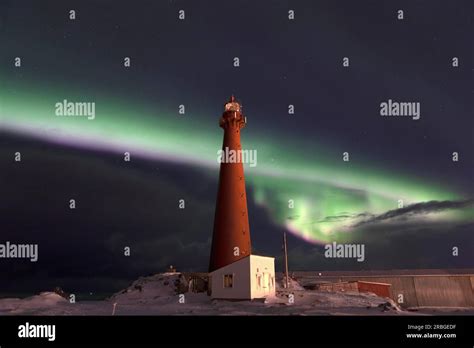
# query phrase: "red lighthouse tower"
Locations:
[[231, 236]]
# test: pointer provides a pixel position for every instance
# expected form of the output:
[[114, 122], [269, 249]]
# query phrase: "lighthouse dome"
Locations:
[[232, 105]]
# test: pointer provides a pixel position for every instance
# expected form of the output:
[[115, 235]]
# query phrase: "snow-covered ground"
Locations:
[[160, 295]]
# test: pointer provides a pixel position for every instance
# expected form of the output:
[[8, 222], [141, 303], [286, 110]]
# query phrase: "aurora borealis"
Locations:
[[318, 193], [394, 163]]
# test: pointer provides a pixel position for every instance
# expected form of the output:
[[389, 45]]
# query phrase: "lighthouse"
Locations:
[[234, 272], [231, 236]]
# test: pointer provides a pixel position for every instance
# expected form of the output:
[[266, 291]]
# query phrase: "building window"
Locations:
[[228, 280]]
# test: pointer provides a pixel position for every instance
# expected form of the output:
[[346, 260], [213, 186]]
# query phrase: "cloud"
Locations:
[[343, 217], [417, 209]]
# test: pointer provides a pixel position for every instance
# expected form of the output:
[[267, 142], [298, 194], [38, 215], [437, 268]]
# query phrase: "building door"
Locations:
[[266, 282]]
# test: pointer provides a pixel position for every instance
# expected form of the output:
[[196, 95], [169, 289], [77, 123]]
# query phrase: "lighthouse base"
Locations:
[[249, 278]]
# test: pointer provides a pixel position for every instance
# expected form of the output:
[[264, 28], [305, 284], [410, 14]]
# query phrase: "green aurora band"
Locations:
[[328, 193]]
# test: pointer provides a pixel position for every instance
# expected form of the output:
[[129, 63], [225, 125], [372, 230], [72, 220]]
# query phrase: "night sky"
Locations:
[[190, 62]]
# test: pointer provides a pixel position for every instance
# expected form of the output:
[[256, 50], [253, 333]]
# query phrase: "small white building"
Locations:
[[245, 279]]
